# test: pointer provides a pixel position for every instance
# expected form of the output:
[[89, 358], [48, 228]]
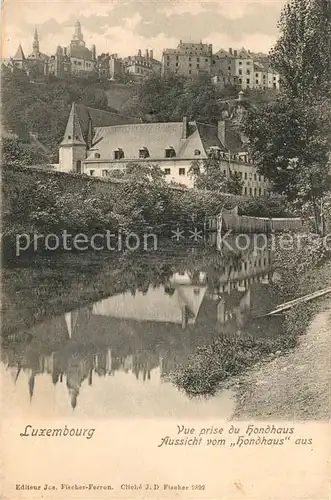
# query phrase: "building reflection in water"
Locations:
[[157, 329]]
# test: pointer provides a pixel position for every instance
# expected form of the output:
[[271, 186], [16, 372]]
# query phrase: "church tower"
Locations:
[[35, 45], [72, 151], [78, 39]]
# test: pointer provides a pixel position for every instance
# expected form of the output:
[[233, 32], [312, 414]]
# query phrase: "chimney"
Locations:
[[241, 96], [185, 128], [151, 54], [139, 53], [146, 54], [230, 51], [93, 52], [221, 132]]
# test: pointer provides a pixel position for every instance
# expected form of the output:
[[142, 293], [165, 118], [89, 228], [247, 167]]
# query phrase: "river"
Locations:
[[136, 323]]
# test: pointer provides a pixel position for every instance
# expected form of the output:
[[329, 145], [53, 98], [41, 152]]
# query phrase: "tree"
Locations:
[[208, 174], [302, 54], [290, 139]]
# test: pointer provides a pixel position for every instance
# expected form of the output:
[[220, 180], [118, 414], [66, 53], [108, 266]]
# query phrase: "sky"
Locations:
[[124, 26]]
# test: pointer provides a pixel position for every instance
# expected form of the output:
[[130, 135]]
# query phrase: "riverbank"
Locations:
[[295, 386]]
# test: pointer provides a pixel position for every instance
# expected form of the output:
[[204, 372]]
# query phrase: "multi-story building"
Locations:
[[110, 66], [233, 67], [188, 59], [141, 66], [98, 143]]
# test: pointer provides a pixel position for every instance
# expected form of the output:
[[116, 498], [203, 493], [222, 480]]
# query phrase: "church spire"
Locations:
[[35, 41], [78, 31], [73, 134]]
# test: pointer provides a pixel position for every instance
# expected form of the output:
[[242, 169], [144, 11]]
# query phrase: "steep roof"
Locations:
[[156, 137], [73, 134], [100, 118], [19, 56]]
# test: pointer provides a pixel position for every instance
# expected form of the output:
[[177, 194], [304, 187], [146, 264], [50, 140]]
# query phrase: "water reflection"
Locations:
[[144, 333]]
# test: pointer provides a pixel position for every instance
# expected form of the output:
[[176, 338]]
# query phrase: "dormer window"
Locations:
[[197, 152], [118, 154], [143, 152], [170, 152]]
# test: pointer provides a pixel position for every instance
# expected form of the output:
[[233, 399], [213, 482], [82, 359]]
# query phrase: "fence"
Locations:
[[246, 224]]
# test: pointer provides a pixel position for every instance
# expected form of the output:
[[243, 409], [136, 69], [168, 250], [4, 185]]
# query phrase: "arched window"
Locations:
[[197, 152], [78, 166]]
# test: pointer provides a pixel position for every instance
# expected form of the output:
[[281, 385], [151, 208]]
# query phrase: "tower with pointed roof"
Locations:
[[19, 58], [73, 147], [35, 45]]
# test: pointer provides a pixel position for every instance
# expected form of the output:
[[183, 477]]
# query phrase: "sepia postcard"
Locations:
[[166, 250]]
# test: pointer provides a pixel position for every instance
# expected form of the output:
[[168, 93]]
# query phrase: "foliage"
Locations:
[[14, 152], [42, 109], [302, 53], [208, 174], [169, 98], [290, 139]]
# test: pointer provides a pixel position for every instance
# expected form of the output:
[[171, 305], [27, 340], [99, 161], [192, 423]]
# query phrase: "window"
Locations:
[[96, 155], [198, 59], [248, 63], [182, 171], [176, 64], [176, 58], [256, 74], [143, 152], [254, 191], [78, 167], [69, 136], [246, 175], [256, 81], [206, 60], [170, 152], [248, 81], [197, 152], [91, 172], [190, 72], [255, 177], [167, 171], [250, 191], [240, 63], [240, 72], [245, 190], [189, 58], [260, 192], [118, 154], [190, 65], [198, 65], [240, 80], [104, 173], [168, 64], [248, 71], [240, 174]]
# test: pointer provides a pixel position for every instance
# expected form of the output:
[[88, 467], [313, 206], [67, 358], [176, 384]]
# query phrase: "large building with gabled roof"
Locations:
[[97, 143]]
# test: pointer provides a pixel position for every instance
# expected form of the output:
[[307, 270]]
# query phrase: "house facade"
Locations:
[[97, 143]]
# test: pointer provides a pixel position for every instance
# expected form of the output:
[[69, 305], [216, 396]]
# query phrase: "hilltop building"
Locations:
[[237, 67], [110, 66], [141, 66], [97, 143], [188, 59]]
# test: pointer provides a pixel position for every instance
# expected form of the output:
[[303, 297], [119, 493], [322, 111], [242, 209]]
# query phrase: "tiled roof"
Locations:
[[100, 118], [156, 137]]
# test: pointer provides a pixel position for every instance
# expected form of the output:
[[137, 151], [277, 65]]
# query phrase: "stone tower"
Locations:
[[72, 151], [35, 45]]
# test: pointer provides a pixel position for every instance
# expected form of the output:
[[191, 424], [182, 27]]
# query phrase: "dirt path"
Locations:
[[296, 386]]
